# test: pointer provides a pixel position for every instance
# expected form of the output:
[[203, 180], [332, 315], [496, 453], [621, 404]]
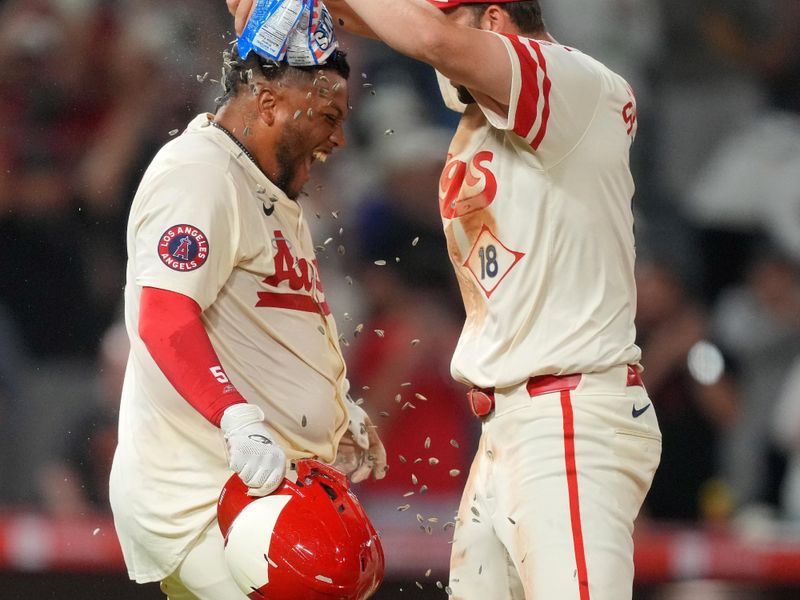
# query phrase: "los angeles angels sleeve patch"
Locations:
[[183, 248]]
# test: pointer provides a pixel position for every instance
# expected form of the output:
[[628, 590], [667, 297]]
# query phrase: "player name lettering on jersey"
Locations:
[[183, 248], [466, 188], [300, 274]]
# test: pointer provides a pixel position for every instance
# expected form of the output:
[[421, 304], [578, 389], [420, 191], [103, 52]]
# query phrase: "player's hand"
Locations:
[[374, 462], [260, 462], [241, 11], [361, 451]]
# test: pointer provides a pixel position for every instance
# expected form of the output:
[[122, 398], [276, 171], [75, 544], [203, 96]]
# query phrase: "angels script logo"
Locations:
[[466, 188]]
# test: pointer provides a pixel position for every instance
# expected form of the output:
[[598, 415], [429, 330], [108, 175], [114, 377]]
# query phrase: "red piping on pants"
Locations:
[[574, 498]]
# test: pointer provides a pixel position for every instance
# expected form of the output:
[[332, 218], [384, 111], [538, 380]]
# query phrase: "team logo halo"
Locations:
[[183, 248]]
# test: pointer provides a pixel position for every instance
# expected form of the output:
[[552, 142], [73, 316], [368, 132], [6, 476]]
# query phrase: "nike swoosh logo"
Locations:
[[268, 211], [638, 412]]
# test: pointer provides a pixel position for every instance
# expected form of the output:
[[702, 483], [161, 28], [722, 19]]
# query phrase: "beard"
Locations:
[[288, 155], [464, 96]]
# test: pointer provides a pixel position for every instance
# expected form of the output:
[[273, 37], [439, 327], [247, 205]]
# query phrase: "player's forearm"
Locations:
[[344, 16], [412, 27], [171, 329]]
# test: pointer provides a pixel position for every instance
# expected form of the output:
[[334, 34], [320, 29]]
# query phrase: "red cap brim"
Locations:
[[442, 4]]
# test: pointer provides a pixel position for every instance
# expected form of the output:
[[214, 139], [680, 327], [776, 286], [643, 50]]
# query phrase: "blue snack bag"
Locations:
[[313, 39], [269, 27]]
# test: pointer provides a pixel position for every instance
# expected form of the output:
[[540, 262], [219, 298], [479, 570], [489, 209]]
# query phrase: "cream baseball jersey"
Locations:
[[207, 223], [536, 206]]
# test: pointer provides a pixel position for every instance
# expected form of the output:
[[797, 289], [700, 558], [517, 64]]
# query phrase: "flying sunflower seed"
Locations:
[[328, 241], [423, 488], [414, 342], [174, 132], [304, 421], [403, 507], [512, 521], [414, 479], [475, 511], [420, 518], [420, 397], [415, 241], [389, 132], [398, 398], [406, 384], [407, 405], [321, 329], [433, 461], [454, 444], [407, 494], [454, 472], [383, 413], [348, 279], [297, 114], [203, 77], [402, 458], [341, 250], [359, 329], [379, 333], [427, 443], [323, 578], [419, 585], [380, 263]]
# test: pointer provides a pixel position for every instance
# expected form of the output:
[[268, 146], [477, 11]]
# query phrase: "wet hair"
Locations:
[[238, 73], [525, 14]]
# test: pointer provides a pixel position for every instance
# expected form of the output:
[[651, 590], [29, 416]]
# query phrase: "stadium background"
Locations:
[[90, 89]]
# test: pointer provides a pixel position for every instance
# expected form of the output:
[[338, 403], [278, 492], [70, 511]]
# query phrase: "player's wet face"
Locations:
[[313, 116]]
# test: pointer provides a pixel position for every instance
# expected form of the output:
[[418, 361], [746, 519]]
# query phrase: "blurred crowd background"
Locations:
[[90, 89]]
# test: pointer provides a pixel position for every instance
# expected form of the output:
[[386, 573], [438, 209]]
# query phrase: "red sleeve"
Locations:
[[532, 114], [171, 329]]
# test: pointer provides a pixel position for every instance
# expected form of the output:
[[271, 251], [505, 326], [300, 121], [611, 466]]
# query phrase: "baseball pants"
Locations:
[[203, 574], [558, 479]]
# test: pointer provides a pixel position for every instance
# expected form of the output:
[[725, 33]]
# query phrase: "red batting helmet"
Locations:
[[451, 3], [309, 539]]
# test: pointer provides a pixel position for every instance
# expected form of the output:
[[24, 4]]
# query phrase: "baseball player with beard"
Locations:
[[535, 199], [235, 361]]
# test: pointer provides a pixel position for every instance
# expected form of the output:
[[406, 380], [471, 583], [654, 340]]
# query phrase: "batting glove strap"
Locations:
[[259, 461]]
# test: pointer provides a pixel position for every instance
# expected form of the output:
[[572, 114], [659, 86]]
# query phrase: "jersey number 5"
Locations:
[[219, 374]]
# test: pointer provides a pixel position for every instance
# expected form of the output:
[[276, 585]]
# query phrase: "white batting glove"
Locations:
[[258, 460]]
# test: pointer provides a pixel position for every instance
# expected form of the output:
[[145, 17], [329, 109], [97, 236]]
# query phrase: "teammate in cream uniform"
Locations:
[[536, 209], [536, 203], [209, 229]]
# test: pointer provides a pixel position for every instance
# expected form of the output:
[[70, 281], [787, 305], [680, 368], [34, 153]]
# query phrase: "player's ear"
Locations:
[[494, 19], [267, 102]]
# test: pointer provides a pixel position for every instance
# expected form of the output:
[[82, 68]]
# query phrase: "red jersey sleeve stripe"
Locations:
[[528, 101], [546, 86]]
